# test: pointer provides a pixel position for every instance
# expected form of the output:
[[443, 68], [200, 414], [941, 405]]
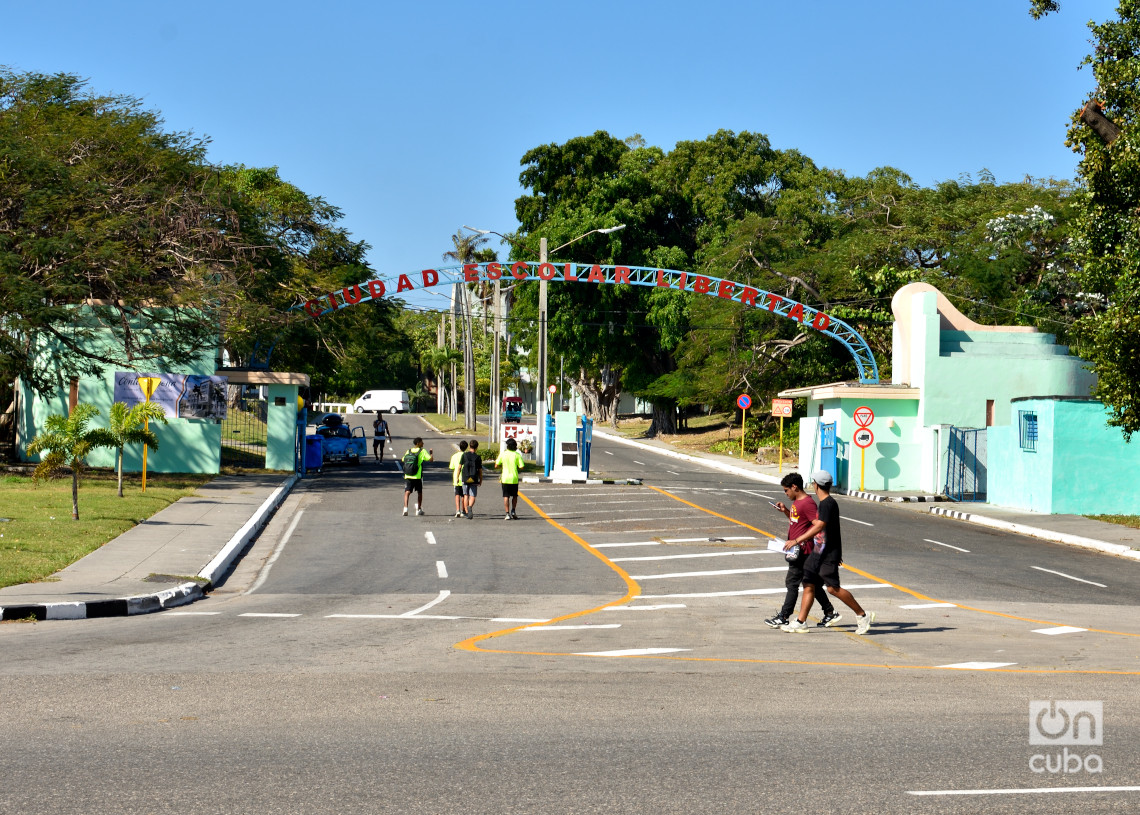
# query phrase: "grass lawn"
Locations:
[[443, 423], [1124, 520], [37, 535]]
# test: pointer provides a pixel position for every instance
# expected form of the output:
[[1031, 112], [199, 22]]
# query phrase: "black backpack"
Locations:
[[411, 462], [472, 464]]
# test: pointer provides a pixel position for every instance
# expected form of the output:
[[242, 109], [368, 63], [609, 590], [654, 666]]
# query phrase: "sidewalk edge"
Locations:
[[1036, 532], [242, 538]]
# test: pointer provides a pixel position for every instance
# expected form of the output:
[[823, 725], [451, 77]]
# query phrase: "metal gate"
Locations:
[[244, 434], [966, 464], [827, 455]]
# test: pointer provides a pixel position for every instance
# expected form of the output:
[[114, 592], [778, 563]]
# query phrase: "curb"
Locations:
[[180, 595], [1036, 532], [632, 482]]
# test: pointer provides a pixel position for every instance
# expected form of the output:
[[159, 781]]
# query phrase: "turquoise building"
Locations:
[[950, 376]]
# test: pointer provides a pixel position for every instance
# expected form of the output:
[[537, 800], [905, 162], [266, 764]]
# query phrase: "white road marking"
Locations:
[[632, 652], [855, 521], [255, 614], [931, 605], [635, 543], [1023, 791], [1062, 574], [948, 546], [398, 617], [440, 568], [429, 537], [191, 613], [718, 573], [642, 463], [706, 540], [645, 608], [672, 472], [684, 557], [276, 553], [977, 666], [569, 627], [1061, 629], [607, 452], [745, 592], [631, 520], [443, 595]]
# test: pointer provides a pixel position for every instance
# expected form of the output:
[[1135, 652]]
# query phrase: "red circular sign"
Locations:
[[864, 437], [864, 416], [744, 401]]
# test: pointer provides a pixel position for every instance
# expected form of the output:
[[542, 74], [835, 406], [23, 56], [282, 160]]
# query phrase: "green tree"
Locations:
[[100, 208], [66, 441], [128, 426], [1106, 132]]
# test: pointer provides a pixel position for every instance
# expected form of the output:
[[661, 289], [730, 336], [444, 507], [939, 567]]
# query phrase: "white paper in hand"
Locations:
[[776, 545]]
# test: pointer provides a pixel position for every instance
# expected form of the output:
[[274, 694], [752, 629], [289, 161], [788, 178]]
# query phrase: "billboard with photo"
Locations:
[[182, 396]]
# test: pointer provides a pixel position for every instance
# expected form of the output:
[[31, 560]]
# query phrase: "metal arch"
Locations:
[[575, 273]]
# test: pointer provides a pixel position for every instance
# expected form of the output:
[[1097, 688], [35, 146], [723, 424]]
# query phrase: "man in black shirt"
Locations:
[[822, 566]]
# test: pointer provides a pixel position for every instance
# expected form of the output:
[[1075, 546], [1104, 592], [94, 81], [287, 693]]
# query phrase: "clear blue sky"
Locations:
[[412, 117]]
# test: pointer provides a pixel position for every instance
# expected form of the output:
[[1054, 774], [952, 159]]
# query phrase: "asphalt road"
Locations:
[[360, 661]]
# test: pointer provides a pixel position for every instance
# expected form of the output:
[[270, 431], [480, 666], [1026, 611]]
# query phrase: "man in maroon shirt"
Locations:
[[800, 514]]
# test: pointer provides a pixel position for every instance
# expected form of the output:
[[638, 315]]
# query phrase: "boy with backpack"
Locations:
[[472, 476], [412, 464], [511, 461], [380, 434]]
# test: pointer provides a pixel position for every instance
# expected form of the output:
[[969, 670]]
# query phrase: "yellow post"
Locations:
[[781, 454], [149, 385], [743, 413], [862, 461]]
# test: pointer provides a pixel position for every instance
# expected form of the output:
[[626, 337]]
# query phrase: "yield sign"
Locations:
[[864, 416]]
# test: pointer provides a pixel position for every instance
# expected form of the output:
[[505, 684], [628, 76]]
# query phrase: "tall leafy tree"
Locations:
[[100, 207]]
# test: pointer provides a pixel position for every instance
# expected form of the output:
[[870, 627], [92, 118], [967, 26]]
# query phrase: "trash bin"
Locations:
[[314, 453]]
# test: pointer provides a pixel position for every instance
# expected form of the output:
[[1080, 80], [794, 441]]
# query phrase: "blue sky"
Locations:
[[412, 117]]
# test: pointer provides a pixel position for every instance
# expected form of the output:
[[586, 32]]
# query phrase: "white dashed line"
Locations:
[[429, 537], [855, 521], [642, 463], [977, 666], [1069, 576], [745, 592], [686, 557], [718, 573], [635, 543], [255, 614], [440, 568], [948, 546], [1061, 629], [931, 605]]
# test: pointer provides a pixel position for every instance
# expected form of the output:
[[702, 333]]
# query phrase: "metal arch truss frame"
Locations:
[[579, 274]]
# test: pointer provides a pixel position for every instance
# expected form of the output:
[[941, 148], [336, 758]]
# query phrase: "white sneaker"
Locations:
[[405, 512], [508, 517], [459, 515], [796, 627], [863, 624], [419, 511]]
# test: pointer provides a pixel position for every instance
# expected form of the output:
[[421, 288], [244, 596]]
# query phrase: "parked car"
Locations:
[[383, 401], [339, 443]]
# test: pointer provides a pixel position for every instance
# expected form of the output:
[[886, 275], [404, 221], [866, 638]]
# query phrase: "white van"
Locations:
[[383, 402]]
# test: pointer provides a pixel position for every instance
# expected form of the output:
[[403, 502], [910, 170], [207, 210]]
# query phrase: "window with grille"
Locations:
[[1028, 422]]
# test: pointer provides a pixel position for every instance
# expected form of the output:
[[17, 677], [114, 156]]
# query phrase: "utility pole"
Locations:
[[495, 398], [454, 345], [540, 399]]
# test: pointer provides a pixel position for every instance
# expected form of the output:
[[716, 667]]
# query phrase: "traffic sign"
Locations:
[[781, 407], [864, 416], [744, 401], [864, 438], [553, 388], [148, 385]]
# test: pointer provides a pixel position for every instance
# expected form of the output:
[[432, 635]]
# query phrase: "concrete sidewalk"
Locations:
[[1075, 530], [170, 559]]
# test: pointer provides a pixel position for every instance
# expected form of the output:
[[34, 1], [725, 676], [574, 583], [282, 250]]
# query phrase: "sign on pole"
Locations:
[[744, 401], [782, 407], [148, 385], [864, 438], [864, 416]]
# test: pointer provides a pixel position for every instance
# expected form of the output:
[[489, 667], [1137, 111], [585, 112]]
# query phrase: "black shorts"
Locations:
[[510, 490], [413, 485], [821, 573], [459, 490]]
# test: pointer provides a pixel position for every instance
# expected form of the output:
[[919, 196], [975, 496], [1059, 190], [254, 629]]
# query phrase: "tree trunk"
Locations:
[[664, 419], [74, 493], [599, 400], [120, 468]]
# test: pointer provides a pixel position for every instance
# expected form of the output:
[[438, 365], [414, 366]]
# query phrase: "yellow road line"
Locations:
[[634, 590]]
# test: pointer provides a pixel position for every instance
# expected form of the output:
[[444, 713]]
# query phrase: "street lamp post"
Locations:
[[540, 449]]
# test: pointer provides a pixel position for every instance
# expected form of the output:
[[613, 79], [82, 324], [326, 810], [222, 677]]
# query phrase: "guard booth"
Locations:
[[568, 445]]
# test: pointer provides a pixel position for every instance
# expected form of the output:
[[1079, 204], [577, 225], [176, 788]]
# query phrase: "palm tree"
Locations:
[[468, 249], [439, 360], [128, 427], [67, 441]]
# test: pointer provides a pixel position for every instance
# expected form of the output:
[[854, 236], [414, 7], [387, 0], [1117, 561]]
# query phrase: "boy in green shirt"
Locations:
[[456, 481], [512, 462], [412, 464]]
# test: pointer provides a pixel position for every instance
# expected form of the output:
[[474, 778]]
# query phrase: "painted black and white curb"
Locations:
[[168, 598], [538, 479], [1043, 534]]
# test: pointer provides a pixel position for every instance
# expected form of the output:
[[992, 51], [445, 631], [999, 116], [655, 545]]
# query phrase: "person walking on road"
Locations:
[[512, 462], [800, 515], [380, 434], [472, 470], [456, 468], [412, 464], [822, 566]]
